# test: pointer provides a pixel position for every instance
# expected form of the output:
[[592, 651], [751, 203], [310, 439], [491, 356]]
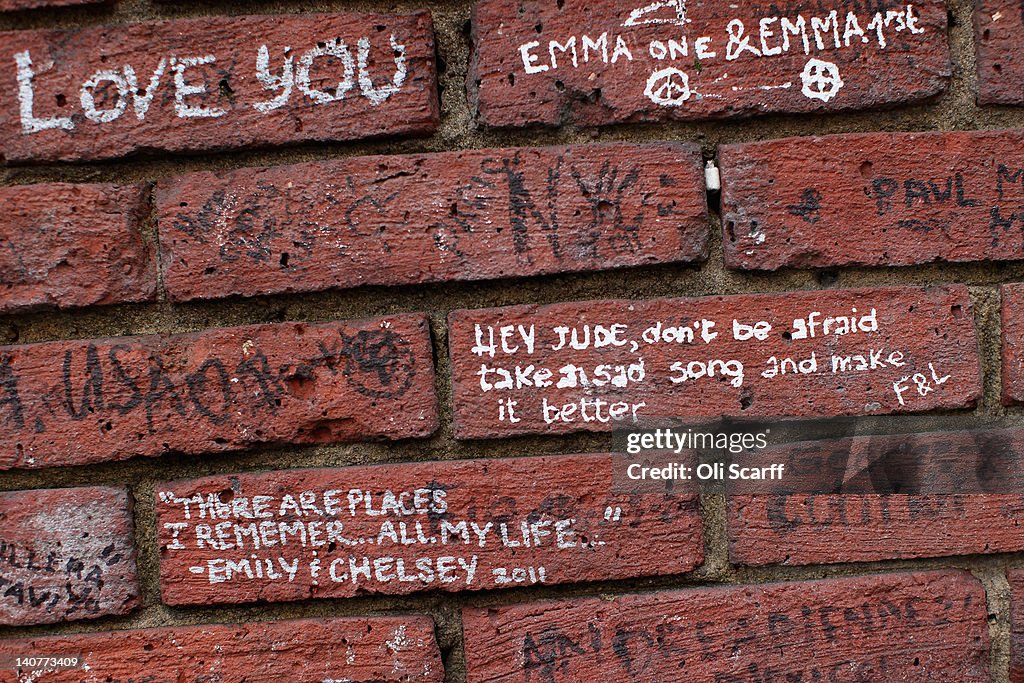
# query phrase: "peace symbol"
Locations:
[[821, 80], [668, 87]]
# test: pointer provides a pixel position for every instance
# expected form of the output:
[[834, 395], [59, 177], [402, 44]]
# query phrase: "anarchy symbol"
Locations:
[[821, 80], [668, 87]]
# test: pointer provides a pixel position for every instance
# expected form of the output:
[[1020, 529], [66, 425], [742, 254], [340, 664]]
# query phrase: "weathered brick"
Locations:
[[427, 218], [395, 529], [598, 62], [66, 554], [1013, 343], [73, 245], [997, 36], [214, 83], [1016, 578], [16, 5], [872, 199], [80, 402], [953, 512], [388, 649], [907, 349], [927, 626]]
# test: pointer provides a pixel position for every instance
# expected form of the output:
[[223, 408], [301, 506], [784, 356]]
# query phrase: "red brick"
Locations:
[[199, 104], [359, 650], [928, 626], [1013, 343], [431, 218], [932, 328], [641, 76], [578, 528], [66, 554], [997, 36], [81, 402], [1016, 578], [805, 528], [872, 199], [15, 5], [74, 245]]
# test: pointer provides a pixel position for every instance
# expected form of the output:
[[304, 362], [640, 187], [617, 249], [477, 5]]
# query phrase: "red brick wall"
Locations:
[[315, 318]]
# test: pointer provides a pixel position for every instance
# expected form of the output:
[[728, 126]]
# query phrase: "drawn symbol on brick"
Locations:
[[668, 87], [821, 80], [661, 12], [379, 364], [809, 208]]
